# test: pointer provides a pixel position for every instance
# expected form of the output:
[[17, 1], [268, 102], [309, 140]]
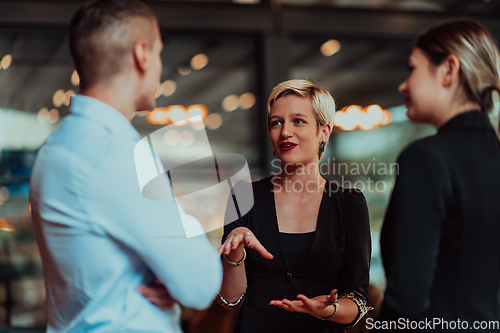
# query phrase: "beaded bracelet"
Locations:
[[236, 263], [228, 305]]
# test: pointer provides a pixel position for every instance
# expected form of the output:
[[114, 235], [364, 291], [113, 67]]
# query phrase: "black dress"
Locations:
[[339, 257], [440, 239]]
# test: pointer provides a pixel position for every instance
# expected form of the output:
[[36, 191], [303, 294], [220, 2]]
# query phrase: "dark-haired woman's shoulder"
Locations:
[[427, 157], [434, 146]]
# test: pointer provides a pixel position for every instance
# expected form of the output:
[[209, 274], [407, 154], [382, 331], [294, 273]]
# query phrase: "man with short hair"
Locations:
[[99, 238]]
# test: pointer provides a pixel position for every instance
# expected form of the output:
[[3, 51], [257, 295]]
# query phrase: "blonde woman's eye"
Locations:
[[300, 121], [276, 122]]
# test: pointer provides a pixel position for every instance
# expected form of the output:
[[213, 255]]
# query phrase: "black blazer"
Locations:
[[440, 239], [338, 258]]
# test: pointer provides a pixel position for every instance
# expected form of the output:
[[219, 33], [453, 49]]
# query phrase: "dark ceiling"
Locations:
[[250, 47]]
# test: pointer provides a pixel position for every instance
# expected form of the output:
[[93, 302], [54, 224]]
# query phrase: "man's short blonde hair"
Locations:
[[322, 101]]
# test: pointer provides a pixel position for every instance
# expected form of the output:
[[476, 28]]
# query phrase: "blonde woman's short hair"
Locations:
[[322, 102]]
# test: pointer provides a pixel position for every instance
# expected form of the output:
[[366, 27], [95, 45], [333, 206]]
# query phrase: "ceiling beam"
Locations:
[[212, 17], [369, 23]]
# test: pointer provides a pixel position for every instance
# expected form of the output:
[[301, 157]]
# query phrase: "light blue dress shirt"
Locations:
[[100, 239]]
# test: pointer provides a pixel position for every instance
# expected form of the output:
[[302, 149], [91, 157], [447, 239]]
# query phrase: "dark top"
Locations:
[[295, 246], [440, 237], [339, 257]]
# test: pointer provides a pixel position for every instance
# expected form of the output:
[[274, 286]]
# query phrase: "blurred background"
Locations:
[[221, 60]]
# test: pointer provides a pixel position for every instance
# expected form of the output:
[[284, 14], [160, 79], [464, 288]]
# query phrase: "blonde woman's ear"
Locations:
[[327, 130]]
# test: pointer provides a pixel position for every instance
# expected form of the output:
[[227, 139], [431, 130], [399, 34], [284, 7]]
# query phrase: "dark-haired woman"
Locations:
[[440, 237]]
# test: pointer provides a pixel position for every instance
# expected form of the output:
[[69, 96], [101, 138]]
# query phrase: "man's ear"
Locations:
[[450, 70], [141, 55]]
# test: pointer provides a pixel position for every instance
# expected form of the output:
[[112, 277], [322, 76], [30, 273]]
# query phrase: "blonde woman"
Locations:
[[306, 238], [440, 237]]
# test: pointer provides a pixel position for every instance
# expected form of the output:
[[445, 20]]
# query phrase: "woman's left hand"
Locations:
[[158, 295], [319, 306]]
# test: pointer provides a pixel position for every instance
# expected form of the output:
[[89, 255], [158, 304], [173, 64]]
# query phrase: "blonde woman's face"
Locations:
[[293, 130], [422, 88]]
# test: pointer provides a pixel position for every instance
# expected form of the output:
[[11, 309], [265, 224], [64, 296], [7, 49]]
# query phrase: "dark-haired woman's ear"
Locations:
[[451, 71]]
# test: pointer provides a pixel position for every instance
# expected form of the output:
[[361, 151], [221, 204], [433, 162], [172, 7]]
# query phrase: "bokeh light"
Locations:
[[197, 110], [171, 138], [354, 116], [6, 61], [177, 114], [67, 97], [186, 138], [168, 88], [199, 61], [214, 121], [330, 47], [53, 116], [247, 100], [58, 98], [386, 118], [75, 78], [43, 115], [230, 103], [5, 226], [183, 70], [158, 116]]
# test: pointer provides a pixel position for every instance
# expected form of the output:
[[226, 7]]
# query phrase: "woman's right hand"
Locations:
[[240, 237]]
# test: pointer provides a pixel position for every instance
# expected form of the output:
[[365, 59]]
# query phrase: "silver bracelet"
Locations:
[[228, 305], [360, 301], [238, 262], [336, 305]]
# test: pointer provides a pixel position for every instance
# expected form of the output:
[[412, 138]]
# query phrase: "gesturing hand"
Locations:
[[319, 306], [158, 295], [240, 237]]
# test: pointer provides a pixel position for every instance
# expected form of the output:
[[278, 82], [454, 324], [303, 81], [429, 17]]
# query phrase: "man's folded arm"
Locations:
[[190, 268]]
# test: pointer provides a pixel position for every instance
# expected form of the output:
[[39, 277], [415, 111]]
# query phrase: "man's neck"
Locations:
[[119, 97]]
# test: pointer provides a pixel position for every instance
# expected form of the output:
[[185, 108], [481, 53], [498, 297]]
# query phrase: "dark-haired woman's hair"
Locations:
[[477, 51]]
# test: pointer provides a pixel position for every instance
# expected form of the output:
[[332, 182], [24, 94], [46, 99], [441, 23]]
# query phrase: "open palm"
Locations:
[[319, 306]]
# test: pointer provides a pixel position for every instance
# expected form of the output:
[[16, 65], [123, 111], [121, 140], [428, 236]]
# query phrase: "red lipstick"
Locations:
[[287, 145]]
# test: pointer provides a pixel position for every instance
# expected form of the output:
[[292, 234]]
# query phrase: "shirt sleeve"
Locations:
[[355, 272], [153, 231], [412, 230]]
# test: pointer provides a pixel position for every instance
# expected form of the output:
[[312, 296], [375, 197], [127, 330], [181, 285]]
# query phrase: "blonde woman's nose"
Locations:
[[285, 131]]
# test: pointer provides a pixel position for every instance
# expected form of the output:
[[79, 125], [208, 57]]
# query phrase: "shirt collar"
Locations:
[[468, 120], [101, 113]]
